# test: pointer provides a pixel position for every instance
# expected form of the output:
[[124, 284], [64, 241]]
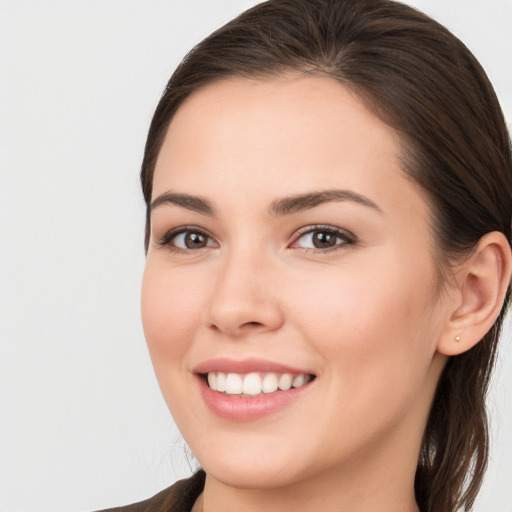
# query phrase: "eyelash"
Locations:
[[168, 237], [347, 238]]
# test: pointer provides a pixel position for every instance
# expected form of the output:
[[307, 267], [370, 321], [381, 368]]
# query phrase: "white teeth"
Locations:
[[212, 380], [269, 384], [233, 384], [298, 381], [221, 382], [254, 383], [285, 382]]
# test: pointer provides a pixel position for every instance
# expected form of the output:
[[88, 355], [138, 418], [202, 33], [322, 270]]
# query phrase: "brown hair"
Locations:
[[421, 80]]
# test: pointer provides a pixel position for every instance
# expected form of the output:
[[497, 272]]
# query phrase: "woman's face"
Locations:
[[288, 246]]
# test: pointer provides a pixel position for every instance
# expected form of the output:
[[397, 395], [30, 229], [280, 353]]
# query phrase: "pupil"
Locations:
[[195, 240], [323, 239]]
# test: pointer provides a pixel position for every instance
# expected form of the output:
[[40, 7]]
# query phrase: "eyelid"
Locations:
[[347, 237], [168, 236]]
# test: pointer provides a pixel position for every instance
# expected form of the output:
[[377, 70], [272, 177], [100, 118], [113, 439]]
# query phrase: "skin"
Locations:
[[365, 317]]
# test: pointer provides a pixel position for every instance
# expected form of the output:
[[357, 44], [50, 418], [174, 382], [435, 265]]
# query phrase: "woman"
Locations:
[[328, 190]]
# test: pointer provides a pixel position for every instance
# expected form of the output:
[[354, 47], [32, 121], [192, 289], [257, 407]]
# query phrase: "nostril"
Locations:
[[244, 327], [251, 324]]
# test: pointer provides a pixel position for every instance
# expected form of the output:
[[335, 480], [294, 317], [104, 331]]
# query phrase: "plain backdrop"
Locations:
[[82, 422]]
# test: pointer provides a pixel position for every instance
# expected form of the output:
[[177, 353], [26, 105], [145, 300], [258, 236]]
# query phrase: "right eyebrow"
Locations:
[[296, 203], [193, 203]]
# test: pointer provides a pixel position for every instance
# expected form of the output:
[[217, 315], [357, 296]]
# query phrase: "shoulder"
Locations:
[[179, 497]]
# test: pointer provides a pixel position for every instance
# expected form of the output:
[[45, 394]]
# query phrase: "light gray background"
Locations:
[[83, 425]]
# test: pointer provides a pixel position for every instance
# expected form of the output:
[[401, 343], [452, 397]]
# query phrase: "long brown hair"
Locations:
[[421, 80]]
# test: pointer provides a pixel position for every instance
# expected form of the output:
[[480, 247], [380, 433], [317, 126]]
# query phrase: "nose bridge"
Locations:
[[242, 298]]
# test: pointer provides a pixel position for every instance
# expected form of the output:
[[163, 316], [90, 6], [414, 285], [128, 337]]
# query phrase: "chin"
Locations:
[[261, 473]]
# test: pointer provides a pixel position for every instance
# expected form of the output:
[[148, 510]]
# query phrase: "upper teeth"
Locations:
[[254, 383]]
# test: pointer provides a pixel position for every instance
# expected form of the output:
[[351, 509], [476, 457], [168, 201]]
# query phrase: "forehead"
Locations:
[[283, 135]]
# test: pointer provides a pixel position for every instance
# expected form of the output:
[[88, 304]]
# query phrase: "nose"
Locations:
[[244, 298]]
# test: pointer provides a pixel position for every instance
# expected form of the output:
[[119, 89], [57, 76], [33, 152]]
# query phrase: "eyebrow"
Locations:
[[194, 203], [293, 204], [279, 207]]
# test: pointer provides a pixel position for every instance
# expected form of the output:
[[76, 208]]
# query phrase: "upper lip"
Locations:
[[249, 365]]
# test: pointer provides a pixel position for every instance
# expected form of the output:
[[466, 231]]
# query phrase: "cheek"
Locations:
[[171, 312], [374, 326], [375, 340]]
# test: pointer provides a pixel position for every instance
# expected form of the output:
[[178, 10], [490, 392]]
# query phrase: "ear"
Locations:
[[482, 282]]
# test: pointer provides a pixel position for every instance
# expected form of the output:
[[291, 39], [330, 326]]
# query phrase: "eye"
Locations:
[[187, 239], [323, 238]]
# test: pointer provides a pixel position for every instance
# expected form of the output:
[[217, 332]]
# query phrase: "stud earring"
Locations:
[[457, 339]]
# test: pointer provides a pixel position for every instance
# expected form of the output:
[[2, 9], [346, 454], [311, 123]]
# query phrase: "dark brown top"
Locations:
[[179, 497]]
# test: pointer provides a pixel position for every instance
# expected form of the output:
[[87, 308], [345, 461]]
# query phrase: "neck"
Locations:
[[218, 497], [384, 486]]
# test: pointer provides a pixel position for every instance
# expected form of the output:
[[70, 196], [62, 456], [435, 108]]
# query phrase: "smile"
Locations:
[[255, 383], [252, 388]]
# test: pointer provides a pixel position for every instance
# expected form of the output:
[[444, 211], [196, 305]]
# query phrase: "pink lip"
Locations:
[[249, 365], [242, 408]]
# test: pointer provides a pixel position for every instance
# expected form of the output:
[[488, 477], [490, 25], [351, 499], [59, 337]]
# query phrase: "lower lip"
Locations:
[[245, 408]]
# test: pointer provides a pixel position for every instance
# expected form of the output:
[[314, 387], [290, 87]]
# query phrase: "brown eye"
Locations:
[[194, 240], [187, 240], [323, 238]]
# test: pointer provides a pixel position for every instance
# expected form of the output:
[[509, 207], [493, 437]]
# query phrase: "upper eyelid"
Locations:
[[326, 227], [174, 232], [348, 239]]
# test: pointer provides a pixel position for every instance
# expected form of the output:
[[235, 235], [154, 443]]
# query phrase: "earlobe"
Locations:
[[482, 282]]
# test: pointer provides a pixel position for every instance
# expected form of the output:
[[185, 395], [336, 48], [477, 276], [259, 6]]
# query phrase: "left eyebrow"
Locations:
[[296, 203], [193, 203]]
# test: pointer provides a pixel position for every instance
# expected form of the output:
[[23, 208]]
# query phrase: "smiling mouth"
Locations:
[[255, 383]]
